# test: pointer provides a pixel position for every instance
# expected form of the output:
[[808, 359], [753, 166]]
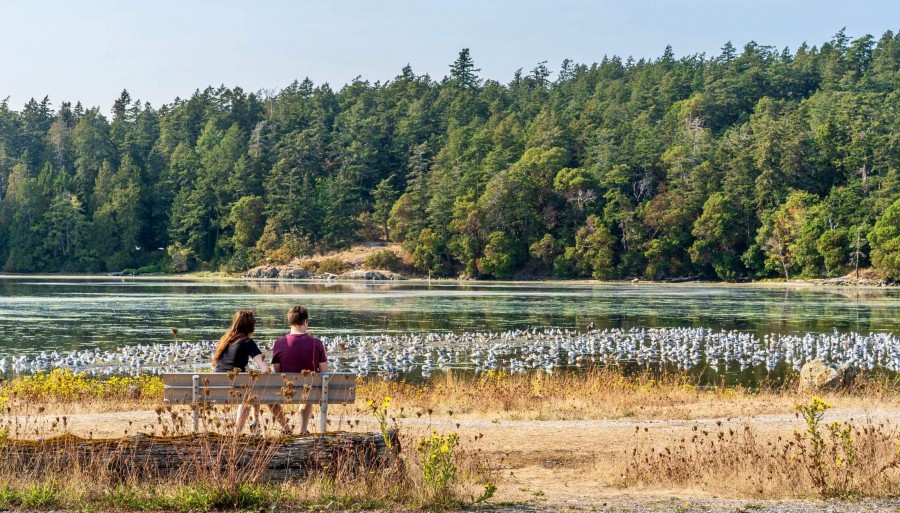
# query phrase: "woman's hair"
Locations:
[[242, 325]]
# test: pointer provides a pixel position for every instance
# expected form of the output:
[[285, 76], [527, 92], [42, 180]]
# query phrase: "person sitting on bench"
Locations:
[[298, 351], [235, 350]]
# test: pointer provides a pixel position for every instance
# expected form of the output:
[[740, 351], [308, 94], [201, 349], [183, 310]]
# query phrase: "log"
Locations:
[[202, 456], [682, 279]]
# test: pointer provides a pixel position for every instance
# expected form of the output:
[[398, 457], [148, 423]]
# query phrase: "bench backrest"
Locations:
[[285, 388]]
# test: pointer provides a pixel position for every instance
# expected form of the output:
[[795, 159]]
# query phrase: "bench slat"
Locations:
[[222, 379], [270, 396], [219, 388]]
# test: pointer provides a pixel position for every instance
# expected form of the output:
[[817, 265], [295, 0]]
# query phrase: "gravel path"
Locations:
[[559, 465]]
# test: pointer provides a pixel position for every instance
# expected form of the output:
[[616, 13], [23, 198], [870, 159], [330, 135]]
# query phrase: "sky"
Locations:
[[90, 50]]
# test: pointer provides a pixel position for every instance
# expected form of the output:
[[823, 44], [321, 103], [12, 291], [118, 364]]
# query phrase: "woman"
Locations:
[[235, 350]]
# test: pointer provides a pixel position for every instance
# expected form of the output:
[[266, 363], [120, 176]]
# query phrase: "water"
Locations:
[[64, 314]]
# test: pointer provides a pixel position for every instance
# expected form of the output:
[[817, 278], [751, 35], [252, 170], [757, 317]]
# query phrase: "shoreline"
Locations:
[[820, 283]]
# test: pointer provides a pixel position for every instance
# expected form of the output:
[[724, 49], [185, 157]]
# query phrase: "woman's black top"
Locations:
[[237, 355]]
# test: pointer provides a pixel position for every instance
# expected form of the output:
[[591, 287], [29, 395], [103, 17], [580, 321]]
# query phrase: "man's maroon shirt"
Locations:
[[297, 353]]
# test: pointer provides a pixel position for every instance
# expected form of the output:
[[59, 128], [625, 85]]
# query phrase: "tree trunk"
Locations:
[[203, 457]]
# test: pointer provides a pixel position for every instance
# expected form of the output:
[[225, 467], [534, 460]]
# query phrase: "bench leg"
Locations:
[[323, 417], [196, 394], [323, 405]]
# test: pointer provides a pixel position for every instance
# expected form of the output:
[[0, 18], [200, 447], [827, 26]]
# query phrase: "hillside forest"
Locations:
[[753, 163]]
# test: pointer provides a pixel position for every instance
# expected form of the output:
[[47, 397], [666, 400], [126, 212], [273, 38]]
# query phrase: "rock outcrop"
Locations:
[[371, 275], [271, 272], [862, 282]]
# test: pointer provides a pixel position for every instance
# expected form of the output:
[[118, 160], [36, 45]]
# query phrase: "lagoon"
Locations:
[[39, 313]]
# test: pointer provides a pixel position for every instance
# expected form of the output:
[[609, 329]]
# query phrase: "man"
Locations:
[[298, 351]]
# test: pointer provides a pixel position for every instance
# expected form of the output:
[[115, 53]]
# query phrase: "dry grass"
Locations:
[[598, 393], [840, 459], [675, 443], [606, 393], [352, 258], [218, 471]]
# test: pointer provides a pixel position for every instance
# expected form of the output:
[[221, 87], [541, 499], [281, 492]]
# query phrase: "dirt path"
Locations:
[[550, 464]]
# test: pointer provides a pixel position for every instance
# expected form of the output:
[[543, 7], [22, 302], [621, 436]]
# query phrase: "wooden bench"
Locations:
[[197, 389]]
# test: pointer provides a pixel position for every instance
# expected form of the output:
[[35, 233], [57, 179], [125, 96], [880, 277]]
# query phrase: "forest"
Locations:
[[753, 163]]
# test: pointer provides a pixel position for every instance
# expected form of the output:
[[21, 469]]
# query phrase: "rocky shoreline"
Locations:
[[273, 272], [862, 282]]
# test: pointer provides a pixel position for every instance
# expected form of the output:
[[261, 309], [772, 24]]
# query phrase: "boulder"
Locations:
[[293, 274], [258, 272], [815, 375], [371, 276], [363, 275]]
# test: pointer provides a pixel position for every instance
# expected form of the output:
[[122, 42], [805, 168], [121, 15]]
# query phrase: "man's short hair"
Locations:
[[297, 315]]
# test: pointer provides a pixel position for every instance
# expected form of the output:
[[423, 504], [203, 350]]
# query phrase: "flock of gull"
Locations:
[[517, 351]]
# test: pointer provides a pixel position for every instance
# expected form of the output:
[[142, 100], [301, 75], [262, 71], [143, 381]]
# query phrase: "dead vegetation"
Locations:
[[590, 434]]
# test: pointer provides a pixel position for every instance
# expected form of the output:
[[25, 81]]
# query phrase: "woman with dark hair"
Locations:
[[235, 350]]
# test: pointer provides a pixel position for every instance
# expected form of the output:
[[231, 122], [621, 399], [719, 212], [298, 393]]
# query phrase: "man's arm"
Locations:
[[276, 367], [323, 367]]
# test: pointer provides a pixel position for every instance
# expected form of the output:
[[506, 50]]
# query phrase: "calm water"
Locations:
[[63, 313]]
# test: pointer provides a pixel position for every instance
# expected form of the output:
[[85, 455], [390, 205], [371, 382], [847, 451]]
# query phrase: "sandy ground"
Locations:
[[554, 465]]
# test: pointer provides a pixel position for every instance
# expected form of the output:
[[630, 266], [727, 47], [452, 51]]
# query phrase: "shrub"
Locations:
[[180, 258], [830, 460], [384, 259], [64, 385], [279, 256], [438, 465], [333, 266], [381, 415]]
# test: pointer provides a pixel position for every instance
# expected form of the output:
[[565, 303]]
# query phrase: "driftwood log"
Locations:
[[201, 456]]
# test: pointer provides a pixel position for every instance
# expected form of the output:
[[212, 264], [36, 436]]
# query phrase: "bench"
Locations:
[[197, 389]]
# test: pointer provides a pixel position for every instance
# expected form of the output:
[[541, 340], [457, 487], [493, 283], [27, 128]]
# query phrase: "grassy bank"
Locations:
[[427, 472], [610, 433], [598, 393]]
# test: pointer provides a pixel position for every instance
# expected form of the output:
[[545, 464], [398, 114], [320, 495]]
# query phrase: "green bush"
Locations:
[[499, 258], [563, 266], [384, 259], [885, 242], [243, 259]]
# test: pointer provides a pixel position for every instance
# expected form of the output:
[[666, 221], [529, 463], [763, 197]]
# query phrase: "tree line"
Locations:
[[756, 162]]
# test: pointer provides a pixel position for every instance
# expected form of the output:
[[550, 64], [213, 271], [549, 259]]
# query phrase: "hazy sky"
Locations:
[[158, 49]]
